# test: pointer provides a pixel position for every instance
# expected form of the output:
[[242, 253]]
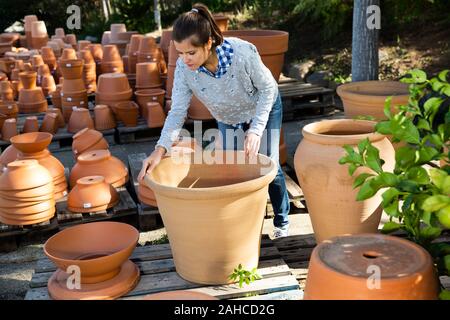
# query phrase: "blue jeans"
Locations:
[[269, 146]]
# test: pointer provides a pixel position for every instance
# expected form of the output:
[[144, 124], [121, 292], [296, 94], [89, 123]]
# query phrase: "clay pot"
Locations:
[[59, 117], [147, 75], [213, 198], [28, 79], [48, 55], [9, 129], [101, 163], [27, 197], [50, 123], [37, 62], [56, 96], [9, 109], [113, 88], [327, 185], [86, 140], [6, 65], [127, 112], [164, 42], [112, 61], [92, 194], [48, 84], [198, 111], [80, 119], [71, 69], [271, 46], [73, 86], [69, 54], [179, 295], [31, 124], [97, 51], [99, 260], [155, 115], [32, 142], [13, 177], [83, 44], [148, 95], [103, 118], [106, 38], [71, 39], [339, 269], [117, 28], [367, 98], [38, 29]]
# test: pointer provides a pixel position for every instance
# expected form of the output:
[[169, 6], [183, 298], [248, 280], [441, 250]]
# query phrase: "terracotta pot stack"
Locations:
[[47, 80], [106, 272], [31, 98], [149, 95], [36, 62], [56, 97], [80, 119], [48, 55], [133, 52], [83, 44], [148, 76], [34, 146], [101, 163], [147, 47], [112, 61], [89, 70], [113, 88], [127, 112], [9, 109], [39, 36], [6, 91], [339, 269], [92, 194], [27, 26], [73, 93], [49, 123], [26, 193], [87, 140], [97, 53], [103, 117], [59, 116]]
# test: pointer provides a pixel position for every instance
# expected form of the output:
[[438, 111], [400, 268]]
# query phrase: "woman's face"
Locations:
[[193, 56]]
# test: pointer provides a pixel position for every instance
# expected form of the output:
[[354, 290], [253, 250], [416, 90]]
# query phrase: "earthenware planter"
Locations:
[[367, 98], [92, 194], [49, 123], [327, 185], [147, 75], [32, 142], [72, 40], [106, 38], [83, 44], [103, 118], [271, 46], [9, 129], [155, 115], [164, 42], [79, 120], [113, 88], [59, 117], [88, 139], [112, 61], [71, 69], [127, 112], [56, 96], [7, 92], [31, 124], [106, 272], [213, 197], [117, 28], [101, 163], [28, 79], [68, 54], [48, 55], [146, 46], [48, 84], [341, 269], [148, 95], [97, 51]]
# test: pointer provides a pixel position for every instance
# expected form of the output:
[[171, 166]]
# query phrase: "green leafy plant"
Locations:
[[416, 194], [244, 276]]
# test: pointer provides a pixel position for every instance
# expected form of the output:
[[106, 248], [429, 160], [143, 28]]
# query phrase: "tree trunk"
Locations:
[[366, 24]]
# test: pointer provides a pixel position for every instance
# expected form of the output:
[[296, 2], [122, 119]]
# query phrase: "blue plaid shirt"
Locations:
[[224, 54]]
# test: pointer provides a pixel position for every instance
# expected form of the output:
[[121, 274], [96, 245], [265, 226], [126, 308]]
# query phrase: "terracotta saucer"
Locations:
[[116, 287]]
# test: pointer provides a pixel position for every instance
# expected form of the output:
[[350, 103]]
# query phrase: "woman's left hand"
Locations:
[[251, 144]]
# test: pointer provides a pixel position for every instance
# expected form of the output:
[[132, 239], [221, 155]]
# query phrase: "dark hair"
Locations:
[[199, 23]]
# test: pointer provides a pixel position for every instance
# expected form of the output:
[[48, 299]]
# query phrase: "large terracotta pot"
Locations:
[[367, 98], [92, 194], [214, 198], [99, 163], [370, 267], [79, 120], [271, 45], [327, 185], [127, 112], [106, 272]]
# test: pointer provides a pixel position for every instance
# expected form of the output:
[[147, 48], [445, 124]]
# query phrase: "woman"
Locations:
[[229, 78]]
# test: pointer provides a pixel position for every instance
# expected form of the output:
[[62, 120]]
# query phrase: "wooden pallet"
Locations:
[[158, 275], [139, 133]]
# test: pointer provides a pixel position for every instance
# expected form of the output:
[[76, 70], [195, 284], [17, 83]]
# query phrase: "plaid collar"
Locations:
[[224, 54]]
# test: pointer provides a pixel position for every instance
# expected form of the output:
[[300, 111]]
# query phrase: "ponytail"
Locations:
[[199, 23]]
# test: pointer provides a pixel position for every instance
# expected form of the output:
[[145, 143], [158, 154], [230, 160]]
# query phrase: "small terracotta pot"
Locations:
[[83, 44], [71, 69], [23, 175], [32, 142], [9, 129], [59, 116], [103, 118], [90, 194], [99, 162], [128, 112], [146, 45], [31, 125], [48, 84], [86, 140], [80, 119], [147, 75], [149, 95], [97, 51], [71, 39], [48, 55], [9, 109], [111, 54], [155, 115], [50, 123], [56, 97], [37, 61], [28, 79], [68, 54], [339, 269], [38, 29]]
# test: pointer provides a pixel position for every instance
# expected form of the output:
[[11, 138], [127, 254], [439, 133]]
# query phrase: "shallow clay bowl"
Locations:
[[99, 249], [23, 175], [32, 142]]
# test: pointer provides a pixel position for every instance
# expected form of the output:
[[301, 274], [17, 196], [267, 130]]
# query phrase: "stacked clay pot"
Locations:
[[34, 146], [370, 267], [97, 53], [145, 96], [89, 70], [83, 44], [39, 36], [59, 117], [9, 129], [112, 61], [92, 194], [101, 163], [29, 19], [48, 55], [103, 118], [113, 88], [47, 80], [73, 93], [31, 124], [132, 52], [148, 76], [50, 123], [87, 140], [71, 39], [26, 193], [155, 115], [31, 98], [106, 272], [6, 91], [80, 119], [147, 46], [55, 96], [127, 112]]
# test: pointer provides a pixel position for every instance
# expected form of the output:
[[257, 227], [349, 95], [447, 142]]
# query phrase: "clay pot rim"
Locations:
[[150, 92], [424, 254], [219, 191], [312, 131], [347, 91]]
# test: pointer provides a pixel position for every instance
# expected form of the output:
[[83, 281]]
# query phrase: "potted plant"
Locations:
[[417, 192]]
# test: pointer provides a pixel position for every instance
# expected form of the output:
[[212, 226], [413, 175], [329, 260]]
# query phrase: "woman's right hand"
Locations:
[[151, 162]]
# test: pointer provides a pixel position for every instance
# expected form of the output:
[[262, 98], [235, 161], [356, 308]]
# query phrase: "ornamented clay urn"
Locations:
[[367, 98], [327, 185], [340, 269], [106, 272], [213, 197]]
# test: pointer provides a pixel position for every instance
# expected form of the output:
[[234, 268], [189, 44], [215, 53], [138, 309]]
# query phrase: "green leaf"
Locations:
[[383, 127], [362, 145], [352, 168], [443, 215], [408, 132], [446, 89], [435, 203], [366, 191], [444, 295], [443, 75], [404, 157], [390, 226], [423, 124], [419, 175], [447, 263], [426, 154], [373, 159], [392, 209], [408, 186], [438, 177], [436, 85], [415, 76], [430, 233], [388, 179], [389, 195], [360, 179]]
